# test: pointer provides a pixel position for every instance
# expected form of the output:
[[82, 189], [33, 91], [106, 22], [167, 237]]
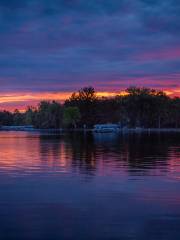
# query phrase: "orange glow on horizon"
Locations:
[[11, 101], [20, 101]]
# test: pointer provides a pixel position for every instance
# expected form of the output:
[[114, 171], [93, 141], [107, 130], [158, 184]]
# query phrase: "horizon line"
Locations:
[[11, 101]]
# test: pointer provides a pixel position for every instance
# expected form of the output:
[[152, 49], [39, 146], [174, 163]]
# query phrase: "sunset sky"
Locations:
[[50, 48]]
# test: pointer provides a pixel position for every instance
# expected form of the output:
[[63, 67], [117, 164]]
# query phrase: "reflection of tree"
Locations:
[[71, 150], [83, 152], [140, 153], [51, 149], [147, 152], [88, 153]]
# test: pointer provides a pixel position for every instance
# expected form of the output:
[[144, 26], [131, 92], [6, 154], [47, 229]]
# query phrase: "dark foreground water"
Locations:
[[82, 186]]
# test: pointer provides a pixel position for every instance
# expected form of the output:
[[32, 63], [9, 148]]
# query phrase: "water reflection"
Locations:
[[89, 154], [89, 186]]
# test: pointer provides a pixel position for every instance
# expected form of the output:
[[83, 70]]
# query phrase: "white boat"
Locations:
[[106, 128]]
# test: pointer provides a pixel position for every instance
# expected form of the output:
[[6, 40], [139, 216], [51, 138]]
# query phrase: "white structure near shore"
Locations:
[[104, 128]]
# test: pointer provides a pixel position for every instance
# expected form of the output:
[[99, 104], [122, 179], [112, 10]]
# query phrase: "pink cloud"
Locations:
[[160, 54]]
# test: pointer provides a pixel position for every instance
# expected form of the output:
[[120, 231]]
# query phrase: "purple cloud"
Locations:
[[64, 45]]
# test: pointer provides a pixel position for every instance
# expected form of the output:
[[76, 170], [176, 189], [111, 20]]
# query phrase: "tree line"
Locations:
[[138, 107]]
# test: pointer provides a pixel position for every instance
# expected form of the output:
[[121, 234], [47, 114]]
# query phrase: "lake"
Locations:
[[89, 186]]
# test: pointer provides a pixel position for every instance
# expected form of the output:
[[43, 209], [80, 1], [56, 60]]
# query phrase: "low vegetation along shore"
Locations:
[[137, 108]]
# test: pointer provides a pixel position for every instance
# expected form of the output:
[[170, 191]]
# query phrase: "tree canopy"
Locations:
[[139, 107]]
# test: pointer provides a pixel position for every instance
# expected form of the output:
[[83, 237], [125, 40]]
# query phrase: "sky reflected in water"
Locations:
[[85, 186]]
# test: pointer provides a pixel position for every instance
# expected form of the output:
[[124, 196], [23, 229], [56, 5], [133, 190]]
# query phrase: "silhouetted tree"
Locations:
[[30, 115], [139, 107], [145, 107], [48, 115], [6, 118], [85, 99], [71, 116], [18, 118]]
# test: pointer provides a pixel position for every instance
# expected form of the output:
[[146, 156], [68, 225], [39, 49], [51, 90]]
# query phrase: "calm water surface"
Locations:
[[79, 186]]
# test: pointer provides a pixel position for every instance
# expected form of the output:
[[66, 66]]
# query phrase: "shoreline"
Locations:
[[123, 131]]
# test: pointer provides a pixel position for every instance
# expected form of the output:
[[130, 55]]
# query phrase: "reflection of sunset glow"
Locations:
[[174, 164], [13, 158], [30, 154]]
